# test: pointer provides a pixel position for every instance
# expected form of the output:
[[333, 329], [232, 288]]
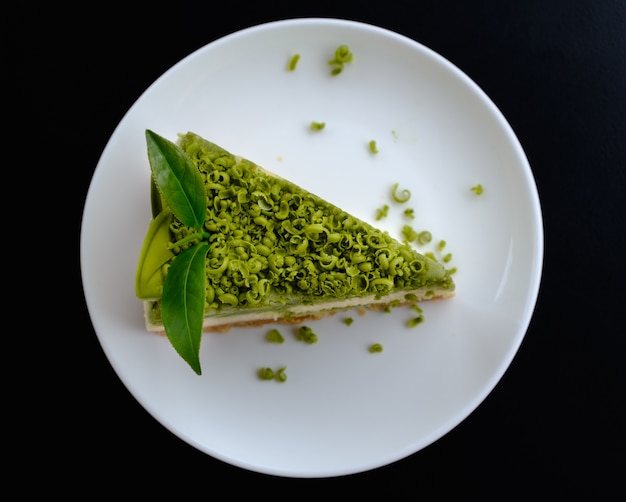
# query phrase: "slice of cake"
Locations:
[[255, 248]]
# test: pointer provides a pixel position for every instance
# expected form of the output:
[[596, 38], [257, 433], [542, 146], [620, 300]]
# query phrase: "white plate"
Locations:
[[342, 410]]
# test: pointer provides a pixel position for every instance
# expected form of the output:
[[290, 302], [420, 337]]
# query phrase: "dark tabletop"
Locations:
[[556, 422]]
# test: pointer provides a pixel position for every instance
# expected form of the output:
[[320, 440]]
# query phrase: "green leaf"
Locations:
[[183, 303], [155, 253], [177, 179]]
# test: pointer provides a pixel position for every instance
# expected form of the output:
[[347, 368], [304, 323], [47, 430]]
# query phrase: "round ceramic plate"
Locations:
[[343, 409]]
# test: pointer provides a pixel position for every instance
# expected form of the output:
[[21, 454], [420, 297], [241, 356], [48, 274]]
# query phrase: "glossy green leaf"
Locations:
[[183, 303], [155, 253], [177, 179]]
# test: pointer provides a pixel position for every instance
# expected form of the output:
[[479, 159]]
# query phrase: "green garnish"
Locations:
[[409, 213], [382, 212], [293, 61], [348, 321], [447, 257], [274, 336], [306, 335], [280, 375], [183, 303], [266, 373], [317, 126], [372, 147], [342, 56], [424, 237], [409, 233], [477, 189], [183, 292], [178, 180], [376, 347], [441, 245], [269, 374], [415, 321], [401, 197]]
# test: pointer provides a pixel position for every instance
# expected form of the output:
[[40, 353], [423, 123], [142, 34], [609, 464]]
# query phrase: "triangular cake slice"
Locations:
[[278, 253]]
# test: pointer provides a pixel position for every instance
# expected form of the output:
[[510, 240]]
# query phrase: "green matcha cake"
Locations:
[[255, 248]]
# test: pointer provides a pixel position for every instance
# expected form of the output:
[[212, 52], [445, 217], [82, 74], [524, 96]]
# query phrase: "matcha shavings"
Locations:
[[415, 321], [382, 212], [400, 196], [306, 335], [266, 373], [293, 62], [279, 375], [274, 336], [477, 189], [342, 56]]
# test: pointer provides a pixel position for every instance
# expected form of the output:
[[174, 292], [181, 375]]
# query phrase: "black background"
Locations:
[[555, 425]]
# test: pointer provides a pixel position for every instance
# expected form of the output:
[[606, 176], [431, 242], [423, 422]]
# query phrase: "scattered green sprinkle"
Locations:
[[447, 257], [452, 270], [411, 297], [274, 336], [376, 347], [417, 308], [306, 335], [402, 196], [441, 245], [424, 237], [317, 126], [477, 189], [348, 321], [382, 212], [409, 213], [266, 373], [409, 233], [342, 56], [415, 321], [372, 147], [281, 376], [293, 62]]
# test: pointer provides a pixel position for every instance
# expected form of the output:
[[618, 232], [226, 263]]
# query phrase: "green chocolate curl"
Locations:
[[293, 62]]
